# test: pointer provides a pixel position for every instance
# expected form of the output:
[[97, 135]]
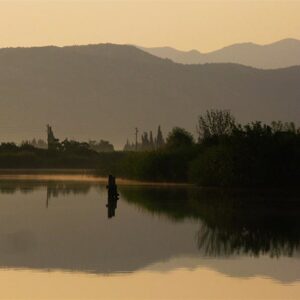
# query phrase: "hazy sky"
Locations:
[[202, 25]]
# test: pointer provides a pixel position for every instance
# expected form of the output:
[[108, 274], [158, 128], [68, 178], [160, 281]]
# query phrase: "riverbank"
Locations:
[[83, 175], [55, 171]]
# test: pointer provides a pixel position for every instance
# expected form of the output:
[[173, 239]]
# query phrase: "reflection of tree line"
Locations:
[[252, 240], [61, 188], [54, 188], [232, 222]]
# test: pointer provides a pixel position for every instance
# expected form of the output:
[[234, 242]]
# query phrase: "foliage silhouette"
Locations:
[[178, 139], [226, 154], [248, 222]]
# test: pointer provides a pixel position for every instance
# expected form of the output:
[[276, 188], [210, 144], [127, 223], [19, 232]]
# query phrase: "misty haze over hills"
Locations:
[[105, 91], [281, 54]]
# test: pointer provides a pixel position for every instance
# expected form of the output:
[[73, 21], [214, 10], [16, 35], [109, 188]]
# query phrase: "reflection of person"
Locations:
[[113, 196]]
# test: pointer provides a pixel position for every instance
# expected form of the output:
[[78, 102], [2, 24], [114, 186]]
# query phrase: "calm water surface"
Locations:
[[57, 242]]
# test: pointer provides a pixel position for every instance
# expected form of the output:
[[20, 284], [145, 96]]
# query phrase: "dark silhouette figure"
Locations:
[[113, 196]]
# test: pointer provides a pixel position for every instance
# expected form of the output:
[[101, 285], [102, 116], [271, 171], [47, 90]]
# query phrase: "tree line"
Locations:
[[224, 153], [148, 142], [54, 143]]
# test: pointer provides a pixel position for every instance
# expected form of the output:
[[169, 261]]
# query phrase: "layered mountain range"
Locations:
[[106, 90], [281, 54]]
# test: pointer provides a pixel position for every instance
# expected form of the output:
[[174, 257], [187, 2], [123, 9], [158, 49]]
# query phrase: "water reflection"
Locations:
[[156, 225], [54, 188], [232, 222]]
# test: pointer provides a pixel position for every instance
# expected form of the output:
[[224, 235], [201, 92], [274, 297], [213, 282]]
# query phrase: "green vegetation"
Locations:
[[226, 154], [252, 155]]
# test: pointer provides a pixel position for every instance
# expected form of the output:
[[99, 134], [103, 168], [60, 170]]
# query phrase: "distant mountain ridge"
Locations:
[[281, 54], [104, 91]]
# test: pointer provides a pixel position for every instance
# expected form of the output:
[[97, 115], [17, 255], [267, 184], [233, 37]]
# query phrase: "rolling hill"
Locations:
[[104, 91], [281, 54]]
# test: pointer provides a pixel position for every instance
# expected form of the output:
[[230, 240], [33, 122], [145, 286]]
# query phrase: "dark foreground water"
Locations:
[[57, 242]]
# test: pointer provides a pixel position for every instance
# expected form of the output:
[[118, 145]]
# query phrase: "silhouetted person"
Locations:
[[113, 196]]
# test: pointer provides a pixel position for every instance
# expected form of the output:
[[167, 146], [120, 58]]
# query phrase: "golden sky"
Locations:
[[201, 283], [202, 25]]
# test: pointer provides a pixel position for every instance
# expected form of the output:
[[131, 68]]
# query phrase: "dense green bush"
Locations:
[[155, 166], [213, 167], [227, 154], [252, 155]]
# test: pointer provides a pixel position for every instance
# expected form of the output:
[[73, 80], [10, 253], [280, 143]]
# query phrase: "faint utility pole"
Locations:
[[136, 138]]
